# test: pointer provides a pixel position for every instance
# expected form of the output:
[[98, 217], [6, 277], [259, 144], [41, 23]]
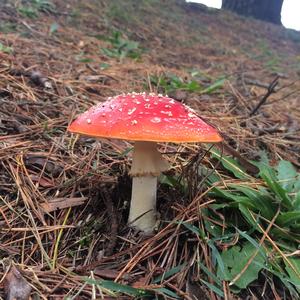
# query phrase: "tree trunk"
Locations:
[[266, 10]]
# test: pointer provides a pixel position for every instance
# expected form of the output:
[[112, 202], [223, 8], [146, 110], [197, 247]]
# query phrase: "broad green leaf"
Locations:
[[235, 259], [253, 242], [294, 274], [286, 175]]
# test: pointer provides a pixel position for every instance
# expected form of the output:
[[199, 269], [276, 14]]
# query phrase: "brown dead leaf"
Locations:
[[43, 182], [140, 283], [109, 274], [60, 203], [106, 273], [38, 163], [16, 286]]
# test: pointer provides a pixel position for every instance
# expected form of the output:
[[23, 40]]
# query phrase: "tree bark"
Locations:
[[266, 10]]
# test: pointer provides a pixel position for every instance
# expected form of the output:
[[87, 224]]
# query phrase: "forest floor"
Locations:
[[64, 199]]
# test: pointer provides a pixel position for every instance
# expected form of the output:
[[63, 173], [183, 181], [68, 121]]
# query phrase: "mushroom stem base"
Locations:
[[143, 203]]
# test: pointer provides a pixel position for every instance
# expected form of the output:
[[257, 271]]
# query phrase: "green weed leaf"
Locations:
[[295, 276], [235, 259], [286, 175]]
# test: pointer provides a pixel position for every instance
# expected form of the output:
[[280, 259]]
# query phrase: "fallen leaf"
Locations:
[[109, 274], [140, 283], [39, 163], [43, 182], [16, 286], [106, 273]]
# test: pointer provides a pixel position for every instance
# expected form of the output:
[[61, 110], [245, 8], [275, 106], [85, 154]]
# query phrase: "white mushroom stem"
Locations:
[[147, 164], [142, 215]]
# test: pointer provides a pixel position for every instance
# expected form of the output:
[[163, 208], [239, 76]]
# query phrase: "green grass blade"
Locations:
[[261, 202], [217, 257], [168, 274], [210, 274], [253, 242], [195, 230], [167, 292], [288, 218], [215, 289], [216, 85], [117, 287], [230, 164], [295, 262]]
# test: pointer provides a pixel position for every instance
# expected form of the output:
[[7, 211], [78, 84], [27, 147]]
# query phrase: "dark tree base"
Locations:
[[266, 10]]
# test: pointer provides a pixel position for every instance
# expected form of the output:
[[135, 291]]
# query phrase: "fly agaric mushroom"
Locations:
[[145, 119]]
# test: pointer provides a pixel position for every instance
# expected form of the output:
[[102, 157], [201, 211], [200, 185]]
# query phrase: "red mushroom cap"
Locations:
[[144, 117]]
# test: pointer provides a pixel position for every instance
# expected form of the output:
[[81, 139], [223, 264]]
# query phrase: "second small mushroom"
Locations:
[[145, 119]]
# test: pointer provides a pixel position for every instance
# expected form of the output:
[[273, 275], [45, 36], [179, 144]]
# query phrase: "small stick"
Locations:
[[271, 90]]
